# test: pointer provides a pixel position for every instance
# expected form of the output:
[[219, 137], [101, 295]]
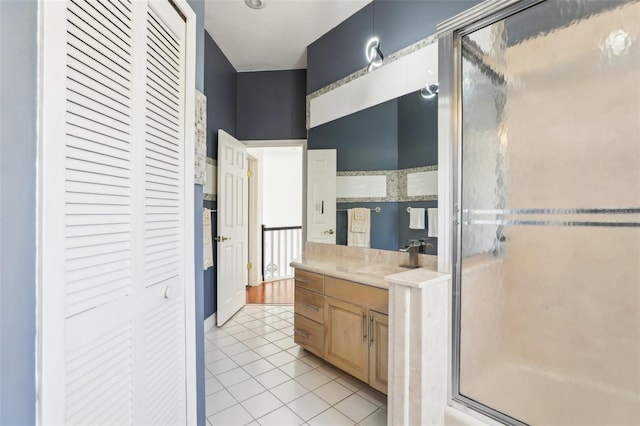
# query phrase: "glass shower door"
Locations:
[[548, 260]]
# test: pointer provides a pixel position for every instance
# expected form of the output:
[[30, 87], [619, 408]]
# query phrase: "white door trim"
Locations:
[[189, 237], [50, 333], [254, 218]]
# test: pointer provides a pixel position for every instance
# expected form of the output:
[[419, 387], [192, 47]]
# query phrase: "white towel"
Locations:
[[432, 222], [360, 219], [359, 227], [416, 218], [207, 243]]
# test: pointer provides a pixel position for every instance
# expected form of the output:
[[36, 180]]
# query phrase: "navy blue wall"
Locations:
[[339, 52], [271, 105], [18, 145], [417, 131], [220, 88], [389, 228], [398, 24], [384, 225], [220, 82], [404, 233], [257, 105], [365, 140]]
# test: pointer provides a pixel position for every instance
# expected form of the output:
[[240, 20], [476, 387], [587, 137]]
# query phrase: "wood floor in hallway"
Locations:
[[272, 292]]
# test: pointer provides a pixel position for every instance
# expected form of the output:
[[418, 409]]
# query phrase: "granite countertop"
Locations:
[[368, 273]]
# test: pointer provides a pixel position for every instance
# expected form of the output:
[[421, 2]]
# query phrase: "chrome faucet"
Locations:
[[414, 247]]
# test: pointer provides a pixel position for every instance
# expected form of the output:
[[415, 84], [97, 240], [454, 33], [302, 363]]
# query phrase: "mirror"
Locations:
[[387, 157]]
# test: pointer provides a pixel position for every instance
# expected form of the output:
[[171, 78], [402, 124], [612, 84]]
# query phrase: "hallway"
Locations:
[[272, 292], [257, 375]]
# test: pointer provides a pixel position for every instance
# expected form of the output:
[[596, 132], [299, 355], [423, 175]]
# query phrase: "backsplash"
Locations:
[[371, 256]]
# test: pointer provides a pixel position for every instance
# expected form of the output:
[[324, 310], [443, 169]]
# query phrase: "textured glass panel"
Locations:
[[550, 284]]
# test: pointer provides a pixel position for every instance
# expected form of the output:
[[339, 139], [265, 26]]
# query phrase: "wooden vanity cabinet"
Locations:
[[378, 351], [308, 321], [346, 344], [345, 323], [308, 334]]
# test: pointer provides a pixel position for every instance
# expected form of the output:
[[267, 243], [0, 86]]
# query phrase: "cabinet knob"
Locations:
[[167, 292]]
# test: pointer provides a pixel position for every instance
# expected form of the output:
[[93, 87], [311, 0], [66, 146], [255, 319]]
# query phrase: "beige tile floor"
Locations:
[[257, 375]]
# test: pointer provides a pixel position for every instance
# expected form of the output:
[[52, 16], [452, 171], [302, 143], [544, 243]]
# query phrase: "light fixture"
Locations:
[[254, 4], [430, 91], [374, 54], [372, 50]]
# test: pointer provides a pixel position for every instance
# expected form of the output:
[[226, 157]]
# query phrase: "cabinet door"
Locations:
[[346, 337], [378, 351]]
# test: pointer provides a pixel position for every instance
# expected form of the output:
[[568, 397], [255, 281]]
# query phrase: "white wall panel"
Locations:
[[422, 183], [361, 186]]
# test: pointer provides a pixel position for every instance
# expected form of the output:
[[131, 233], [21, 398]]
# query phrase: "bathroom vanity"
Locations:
[[345, 323], [342, 307]]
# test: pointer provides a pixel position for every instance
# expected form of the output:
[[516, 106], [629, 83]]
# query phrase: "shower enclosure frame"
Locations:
[[450, 35]]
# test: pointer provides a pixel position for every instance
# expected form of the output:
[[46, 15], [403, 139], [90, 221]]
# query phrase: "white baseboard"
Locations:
[[210, 322]]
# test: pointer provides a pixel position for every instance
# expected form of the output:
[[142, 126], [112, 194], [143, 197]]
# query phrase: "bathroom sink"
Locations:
[[381, 270]]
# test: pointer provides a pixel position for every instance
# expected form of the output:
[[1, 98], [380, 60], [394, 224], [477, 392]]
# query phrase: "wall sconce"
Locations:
[[372, 50], [374, 54], [430, 91]]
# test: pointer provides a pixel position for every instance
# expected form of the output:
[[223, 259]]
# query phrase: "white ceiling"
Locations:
[[276, 36]]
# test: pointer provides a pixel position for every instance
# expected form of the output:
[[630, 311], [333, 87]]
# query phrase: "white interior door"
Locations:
[[116, 217], [233, 227], [321, 195]]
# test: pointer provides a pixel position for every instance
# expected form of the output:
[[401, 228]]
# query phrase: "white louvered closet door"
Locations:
[[112, 341], [163, 398]]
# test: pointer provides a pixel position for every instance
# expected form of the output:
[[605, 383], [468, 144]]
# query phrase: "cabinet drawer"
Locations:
[[370, 297], [308, 334], [310, 281], [309, 304]]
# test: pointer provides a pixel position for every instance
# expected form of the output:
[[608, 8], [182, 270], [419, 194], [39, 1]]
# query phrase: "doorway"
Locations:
[[276, 194]]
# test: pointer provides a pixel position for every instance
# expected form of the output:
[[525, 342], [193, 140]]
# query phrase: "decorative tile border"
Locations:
[[200, 154], [402, 183], [363, 71], [396, 185], [210, 197]]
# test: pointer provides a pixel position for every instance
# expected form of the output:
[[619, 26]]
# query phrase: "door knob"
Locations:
[[220, 238], [330, 232]]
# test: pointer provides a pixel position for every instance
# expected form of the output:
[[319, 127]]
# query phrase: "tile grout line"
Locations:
[[282, 314]]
